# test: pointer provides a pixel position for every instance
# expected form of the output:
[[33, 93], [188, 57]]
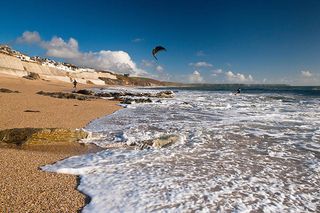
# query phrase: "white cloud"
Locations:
[[308, 78], [152, 65], [156, 71], [195, 77], [306, 74], [29, 37], [216, 72], [57, 47], [201, 64], [147, 63], [117, 61], [238, 78], [159, 68], [136, 40]]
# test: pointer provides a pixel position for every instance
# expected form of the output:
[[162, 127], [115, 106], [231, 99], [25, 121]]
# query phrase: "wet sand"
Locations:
[[25, 188]]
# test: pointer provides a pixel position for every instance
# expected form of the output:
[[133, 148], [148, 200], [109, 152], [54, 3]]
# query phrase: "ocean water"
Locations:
[[254, 152]]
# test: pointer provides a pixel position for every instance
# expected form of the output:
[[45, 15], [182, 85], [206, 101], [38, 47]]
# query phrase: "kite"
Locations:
[[156, 50]]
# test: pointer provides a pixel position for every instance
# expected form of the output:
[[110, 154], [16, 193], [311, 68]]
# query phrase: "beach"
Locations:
[[258, 151], [25, 188]]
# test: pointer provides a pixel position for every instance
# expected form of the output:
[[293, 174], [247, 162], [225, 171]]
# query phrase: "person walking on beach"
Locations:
[[75, 84]]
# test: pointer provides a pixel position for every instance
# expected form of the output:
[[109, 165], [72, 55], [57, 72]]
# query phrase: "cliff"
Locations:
[[14, 63]]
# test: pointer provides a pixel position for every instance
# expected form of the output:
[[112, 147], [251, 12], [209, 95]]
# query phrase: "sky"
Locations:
[[219, 41]]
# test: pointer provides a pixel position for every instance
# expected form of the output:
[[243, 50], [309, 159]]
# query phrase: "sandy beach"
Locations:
[[25, 188]]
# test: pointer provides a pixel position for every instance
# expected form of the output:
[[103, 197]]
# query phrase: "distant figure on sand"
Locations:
[[75, 84], [238, 91]]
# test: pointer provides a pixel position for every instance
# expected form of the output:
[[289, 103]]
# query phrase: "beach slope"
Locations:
[[25, 188]]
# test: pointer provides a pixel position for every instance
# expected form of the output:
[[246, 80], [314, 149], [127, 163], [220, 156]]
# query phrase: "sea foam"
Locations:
[[253, 152]]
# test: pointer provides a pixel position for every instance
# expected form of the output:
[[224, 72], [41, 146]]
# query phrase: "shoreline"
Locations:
[[26, 187]]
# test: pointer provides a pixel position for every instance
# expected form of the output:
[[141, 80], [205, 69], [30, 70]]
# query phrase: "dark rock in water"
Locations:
[[66, 95], [19, 136], [32, 76], [135, 100], [160, 142], [165, 141], [4, 90], [85, 92], [143, 100], [103, 94], [122, 96], [127, 101], [165, 94]]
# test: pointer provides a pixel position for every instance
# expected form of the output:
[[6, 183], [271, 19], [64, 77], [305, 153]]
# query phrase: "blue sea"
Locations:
[[258, 151]]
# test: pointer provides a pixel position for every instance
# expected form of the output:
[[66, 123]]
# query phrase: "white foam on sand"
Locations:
[[235, 154]]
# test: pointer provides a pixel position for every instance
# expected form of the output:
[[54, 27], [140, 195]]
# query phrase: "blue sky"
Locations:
[[207, 41]]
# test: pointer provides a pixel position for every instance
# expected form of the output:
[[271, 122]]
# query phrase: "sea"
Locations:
[[258, 151]]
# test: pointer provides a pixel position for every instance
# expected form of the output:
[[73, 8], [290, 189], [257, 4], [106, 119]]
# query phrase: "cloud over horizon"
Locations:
[[195, 77], [157, 71], [116, 61], [238, 77], [216, 72], [306, 74]]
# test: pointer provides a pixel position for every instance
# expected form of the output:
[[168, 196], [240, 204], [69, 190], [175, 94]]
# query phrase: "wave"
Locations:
[[234, 153]]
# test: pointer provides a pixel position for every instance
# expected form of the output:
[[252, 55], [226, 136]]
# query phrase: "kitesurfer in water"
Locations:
[[238, 91]]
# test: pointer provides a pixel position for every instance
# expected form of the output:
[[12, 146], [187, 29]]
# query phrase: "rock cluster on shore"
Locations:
[[128, 97], [123, 97], [66, 95], [32, 136]]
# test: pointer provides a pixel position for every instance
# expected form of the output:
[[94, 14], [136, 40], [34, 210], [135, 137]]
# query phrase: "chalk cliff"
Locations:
[[15, 63]]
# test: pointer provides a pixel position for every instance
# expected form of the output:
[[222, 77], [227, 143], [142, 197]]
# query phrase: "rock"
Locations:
[[4, 90], [123, 96], [135, 100], [103, 94], [160, 142], [66, 95], [165, 141], [85, 92], [127, 101], [19, 136], [165, 94], [32, 76], [143, 100]]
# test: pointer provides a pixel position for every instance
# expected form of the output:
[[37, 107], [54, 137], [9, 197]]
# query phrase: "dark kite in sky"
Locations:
[[156, 50]]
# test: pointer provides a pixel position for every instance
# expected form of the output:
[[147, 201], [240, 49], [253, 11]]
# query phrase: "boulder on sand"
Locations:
[[20, 136]]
